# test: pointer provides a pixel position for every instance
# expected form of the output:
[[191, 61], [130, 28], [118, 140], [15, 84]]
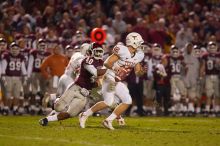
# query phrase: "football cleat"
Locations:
[[121, 121], [108, 124], [5, 112], [43, 122], [82, 120]]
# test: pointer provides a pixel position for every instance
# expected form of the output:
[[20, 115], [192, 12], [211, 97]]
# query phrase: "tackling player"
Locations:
[[75, 97]]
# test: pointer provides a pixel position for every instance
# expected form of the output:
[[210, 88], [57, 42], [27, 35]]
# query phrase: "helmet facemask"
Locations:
[[42, 46], [175, 53], [212, 48], [3, 46], [97, 53], [15, 50]]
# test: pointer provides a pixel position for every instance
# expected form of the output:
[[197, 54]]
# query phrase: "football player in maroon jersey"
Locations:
[[3, 48], [209, 69], [13, 69], [38, 83], [75, 97], [175, 65]]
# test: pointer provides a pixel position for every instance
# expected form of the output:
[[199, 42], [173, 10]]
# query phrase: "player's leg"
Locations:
[[108, 91], [166, 89], [192, 100], [209, 87], [217, 96], [159, 96], [76, 105], [8, 94], [122, 92], [175, 95], [61, 104], [17, 101], [182, 90]]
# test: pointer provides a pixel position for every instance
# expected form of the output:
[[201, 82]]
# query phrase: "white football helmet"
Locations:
[[134, 39]]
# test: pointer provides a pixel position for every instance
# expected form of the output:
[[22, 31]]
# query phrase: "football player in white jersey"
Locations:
[[119, 65], [192, 76]]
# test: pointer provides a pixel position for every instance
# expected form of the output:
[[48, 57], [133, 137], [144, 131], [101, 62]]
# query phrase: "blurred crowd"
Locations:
[[60, 26]]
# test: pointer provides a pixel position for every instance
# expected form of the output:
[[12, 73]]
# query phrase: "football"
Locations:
[[122, 74]]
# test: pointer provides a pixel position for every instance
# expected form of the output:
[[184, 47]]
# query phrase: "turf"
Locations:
[[22, 131]]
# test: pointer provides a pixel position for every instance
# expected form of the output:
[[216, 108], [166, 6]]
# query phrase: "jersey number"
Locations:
[[37, 63], [175, 67], [210, 65], [89, 60], [15, 66]]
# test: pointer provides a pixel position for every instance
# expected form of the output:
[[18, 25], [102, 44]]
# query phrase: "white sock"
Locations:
[[52, 118], [15, 108], [217, 108], [184, 108], [6, 108], [207, 108], [198, 110], [112, 117], [89, 112], [190, 107]]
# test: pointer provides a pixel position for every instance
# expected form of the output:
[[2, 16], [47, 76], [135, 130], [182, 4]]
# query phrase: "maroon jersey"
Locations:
[[210, 63], [25, 54], [14, 64], [38, 57], [84, 78], [175, 64]]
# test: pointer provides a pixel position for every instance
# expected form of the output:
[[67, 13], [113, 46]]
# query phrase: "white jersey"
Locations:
[[192, 63], [74, 63], [125, 59]]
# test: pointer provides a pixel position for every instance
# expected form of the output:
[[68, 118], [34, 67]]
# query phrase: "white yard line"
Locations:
[[61, 140]]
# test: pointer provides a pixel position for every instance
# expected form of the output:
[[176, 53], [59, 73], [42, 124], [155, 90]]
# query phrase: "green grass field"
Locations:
[[25, 131]]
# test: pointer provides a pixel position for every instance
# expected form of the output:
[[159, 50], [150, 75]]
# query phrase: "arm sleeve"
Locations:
[[4, 65], [91, 69], [30, 65], [23, 68]]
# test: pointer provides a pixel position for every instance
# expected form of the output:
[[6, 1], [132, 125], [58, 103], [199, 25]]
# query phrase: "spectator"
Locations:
[[119, 24], [53, 67]]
